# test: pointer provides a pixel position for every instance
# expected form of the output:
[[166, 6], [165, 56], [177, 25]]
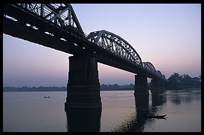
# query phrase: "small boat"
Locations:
[[47, 97], [155, 116]]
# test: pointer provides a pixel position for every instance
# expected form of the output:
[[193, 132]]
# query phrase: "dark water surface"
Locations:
[[31, 112]]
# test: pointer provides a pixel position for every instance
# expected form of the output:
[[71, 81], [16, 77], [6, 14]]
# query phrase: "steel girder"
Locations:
[[61, 15], [115, 45], [158, 73], [149, 66]]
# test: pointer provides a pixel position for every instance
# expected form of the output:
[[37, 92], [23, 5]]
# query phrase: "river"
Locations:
[[121, 112]]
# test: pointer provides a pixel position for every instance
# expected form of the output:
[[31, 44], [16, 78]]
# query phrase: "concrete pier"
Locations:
[[157, 86], [141, 86], [83, 87]]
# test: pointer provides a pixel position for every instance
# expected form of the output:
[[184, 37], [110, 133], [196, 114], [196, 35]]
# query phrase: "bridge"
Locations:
[[56, 26]]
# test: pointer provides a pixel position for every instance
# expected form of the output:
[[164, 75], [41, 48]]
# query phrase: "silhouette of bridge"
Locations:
[[56, 26]]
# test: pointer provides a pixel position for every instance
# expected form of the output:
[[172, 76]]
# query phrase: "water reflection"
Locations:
[[138, 123], [183, 109], [89, 120], [182, 96], [83, 120], [142, 108], [158, 99]]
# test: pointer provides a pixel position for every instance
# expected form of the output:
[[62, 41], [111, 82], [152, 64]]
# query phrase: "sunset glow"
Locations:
[[167, 35]]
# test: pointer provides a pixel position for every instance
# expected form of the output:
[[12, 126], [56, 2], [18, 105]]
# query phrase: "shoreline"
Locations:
[[20, 90]]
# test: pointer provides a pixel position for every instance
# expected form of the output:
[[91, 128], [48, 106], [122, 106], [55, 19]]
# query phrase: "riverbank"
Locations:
[[103, 87]]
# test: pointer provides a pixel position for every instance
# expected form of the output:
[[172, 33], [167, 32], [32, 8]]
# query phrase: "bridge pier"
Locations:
[[83, 120], [83, 87], [141, 86], [157, 86]]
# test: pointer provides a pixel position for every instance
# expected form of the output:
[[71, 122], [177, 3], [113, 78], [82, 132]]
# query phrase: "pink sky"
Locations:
[[168, 36]]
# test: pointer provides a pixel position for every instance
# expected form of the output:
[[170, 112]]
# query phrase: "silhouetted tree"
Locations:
[[186, 80], [176, 82]]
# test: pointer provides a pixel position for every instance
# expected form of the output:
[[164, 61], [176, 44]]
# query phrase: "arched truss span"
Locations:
[[61, 14], [149, 66], [158, 73], [116, 45]]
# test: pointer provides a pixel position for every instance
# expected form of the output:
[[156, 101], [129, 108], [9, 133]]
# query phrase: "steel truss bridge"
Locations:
[[56, 26]]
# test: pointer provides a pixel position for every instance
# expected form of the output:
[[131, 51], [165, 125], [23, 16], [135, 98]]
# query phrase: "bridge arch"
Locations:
[[158, 73], [149, 66], [115, 45]]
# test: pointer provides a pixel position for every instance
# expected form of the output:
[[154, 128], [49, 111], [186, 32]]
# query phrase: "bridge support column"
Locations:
[[162, 85], [141, 86], [157, 86], [83, 88]]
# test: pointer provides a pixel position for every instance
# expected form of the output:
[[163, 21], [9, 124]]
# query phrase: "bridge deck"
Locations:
[[29, 26]]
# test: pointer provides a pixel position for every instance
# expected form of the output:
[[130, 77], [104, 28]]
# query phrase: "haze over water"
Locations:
[[31, 112]]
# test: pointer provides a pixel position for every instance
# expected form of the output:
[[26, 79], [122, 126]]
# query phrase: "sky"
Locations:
[[167, 35]]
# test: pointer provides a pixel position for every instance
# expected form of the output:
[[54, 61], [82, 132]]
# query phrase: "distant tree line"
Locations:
[[25, 88], [55, 88], [117, 87], [177, 82]]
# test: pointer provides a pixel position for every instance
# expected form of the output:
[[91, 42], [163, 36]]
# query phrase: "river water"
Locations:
[[121, 112]]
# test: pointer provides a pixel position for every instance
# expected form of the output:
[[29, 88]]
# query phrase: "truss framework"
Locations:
[[61, 14], [149, 66], [116, 45]]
